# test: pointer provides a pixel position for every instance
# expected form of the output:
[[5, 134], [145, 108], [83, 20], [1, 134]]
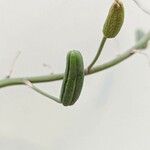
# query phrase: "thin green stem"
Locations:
[[141, 7], [28, 83], [98, 54], [56, 77]]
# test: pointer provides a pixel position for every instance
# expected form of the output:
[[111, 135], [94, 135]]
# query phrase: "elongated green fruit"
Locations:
[[114, 20], [73, 79]]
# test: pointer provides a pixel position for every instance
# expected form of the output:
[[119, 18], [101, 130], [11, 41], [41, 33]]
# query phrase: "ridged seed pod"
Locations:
[[73, 79], [114, 20]]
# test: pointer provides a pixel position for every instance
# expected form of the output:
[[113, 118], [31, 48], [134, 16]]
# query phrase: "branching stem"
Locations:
[[97, 55], [56, 77]]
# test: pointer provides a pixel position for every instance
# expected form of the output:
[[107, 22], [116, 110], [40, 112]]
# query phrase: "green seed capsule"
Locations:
[[114, 20], [73, 79]]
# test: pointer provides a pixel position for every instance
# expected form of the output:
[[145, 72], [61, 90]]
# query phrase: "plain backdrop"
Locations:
[[113, 111]]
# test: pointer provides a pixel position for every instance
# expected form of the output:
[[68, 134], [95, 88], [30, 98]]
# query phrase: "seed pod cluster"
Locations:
[[73, 78], [114, 20]]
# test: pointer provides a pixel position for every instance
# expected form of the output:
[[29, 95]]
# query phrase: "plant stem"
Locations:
[[98, 54], [141, 7], [56, 77], [28, 83]]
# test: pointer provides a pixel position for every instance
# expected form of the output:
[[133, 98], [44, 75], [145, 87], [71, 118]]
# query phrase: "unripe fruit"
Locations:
[[114, 20], [73, 79]]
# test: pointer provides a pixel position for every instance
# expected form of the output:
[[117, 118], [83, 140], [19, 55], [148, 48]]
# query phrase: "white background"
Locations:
[[113, 112]]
